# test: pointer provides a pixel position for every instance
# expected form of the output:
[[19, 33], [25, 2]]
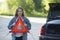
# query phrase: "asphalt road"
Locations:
[[4, 30]]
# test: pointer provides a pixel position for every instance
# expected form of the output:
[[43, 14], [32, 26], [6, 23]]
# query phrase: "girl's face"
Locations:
[[19, 12]]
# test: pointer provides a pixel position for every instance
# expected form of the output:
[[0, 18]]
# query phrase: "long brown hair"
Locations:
[[16, 14]]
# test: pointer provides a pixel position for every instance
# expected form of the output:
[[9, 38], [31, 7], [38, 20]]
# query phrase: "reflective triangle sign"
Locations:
[[21, 24]]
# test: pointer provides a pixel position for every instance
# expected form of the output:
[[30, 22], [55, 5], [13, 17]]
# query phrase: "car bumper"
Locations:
[[48, 38]]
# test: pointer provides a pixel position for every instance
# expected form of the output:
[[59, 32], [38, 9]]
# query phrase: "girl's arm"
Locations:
[[11, 23], [28, 24]]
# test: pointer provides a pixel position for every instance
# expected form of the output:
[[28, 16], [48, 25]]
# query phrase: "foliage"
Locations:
[[34, 8]]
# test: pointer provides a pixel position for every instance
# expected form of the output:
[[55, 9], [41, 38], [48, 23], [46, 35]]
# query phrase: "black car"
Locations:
[[51, 29]]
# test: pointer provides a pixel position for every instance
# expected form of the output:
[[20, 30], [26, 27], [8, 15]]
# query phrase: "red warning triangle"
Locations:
[[24, 28]]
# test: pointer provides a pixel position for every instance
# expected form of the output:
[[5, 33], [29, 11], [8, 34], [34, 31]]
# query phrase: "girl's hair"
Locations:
[[16, 14]]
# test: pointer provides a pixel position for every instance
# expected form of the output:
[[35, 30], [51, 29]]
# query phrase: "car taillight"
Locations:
[[42, 31]]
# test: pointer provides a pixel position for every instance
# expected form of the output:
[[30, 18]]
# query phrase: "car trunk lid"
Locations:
[[54, 11], [53, 29]]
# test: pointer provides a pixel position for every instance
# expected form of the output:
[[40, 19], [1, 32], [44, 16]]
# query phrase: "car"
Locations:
[[51, 29]]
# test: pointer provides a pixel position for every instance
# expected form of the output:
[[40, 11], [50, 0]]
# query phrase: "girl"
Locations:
[[19, 13]]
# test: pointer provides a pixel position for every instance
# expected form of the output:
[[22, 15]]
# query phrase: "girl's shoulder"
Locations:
[[14, 18], [24, 17]]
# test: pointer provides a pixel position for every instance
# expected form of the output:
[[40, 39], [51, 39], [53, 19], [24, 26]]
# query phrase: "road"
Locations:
[[4, 30]]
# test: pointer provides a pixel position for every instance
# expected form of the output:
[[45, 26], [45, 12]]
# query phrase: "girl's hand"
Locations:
[[25, 24], [13, 24]]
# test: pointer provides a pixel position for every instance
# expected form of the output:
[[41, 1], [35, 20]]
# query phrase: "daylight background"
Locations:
[[32, 8]]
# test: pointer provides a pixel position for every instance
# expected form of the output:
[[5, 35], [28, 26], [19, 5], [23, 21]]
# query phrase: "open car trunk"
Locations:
[[54, 11], [53, 29]]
